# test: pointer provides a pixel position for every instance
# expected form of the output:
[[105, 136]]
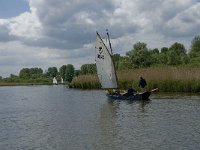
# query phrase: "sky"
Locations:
[[48, 33]]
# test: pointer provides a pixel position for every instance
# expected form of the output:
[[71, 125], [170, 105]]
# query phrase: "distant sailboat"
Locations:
[[62, 80], [55, 81]]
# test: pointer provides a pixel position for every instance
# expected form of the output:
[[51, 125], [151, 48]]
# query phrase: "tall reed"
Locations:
[[86, 82], [167, 79]]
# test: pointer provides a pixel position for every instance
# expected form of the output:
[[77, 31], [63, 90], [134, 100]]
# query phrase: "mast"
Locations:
[[111, 51], [109, 41]]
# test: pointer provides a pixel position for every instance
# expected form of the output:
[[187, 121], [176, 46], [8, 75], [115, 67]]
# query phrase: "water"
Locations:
[[54, 117]]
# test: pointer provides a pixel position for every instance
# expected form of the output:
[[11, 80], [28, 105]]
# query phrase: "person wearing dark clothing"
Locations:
[[130, 92], [142, 82]]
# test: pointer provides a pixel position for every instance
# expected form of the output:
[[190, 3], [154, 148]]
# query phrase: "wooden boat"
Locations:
[[136, 96]]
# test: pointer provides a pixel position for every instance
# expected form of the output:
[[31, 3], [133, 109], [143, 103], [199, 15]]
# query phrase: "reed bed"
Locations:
[[167, 79], [86, 82], [161, 73]]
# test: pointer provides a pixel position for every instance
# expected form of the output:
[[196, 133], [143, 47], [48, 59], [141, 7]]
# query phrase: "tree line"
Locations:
[[67, 72], [140, 56]]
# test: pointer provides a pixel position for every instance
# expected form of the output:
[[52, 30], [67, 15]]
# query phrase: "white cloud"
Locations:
[[25, 25], [186, 22], [59, 32]]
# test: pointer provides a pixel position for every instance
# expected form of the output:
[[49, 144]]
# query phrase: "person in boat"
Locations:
[[130, 92], [142, 82]]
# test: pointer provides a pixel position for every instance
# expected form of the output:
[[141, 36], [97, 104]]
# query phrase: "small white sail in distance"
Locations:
[[62, 80], [105, 66], [54, 81]]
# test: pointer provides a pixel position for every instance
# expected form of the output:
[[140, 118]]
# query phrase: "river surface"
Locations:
[[58, 118]]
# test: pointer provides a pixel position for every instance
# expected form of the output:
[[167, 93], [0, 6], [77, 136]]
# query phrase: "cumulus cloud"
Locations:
[[186, 23], [25, 26], [71, 24], [55, 32], [4, 31]]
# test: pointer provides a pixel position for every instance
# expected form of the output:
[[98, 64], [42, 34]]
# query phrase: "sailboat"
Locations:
[[107, 73], [61, 80], [55, 81]]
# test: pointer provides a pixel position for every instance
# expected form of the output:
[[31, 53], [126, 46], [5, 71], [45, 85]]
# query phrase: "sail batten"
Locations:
[[105, 66]]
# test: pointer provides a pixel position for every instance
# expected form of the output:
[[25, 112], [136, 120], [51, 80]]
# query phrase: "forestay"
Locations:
[[105, 66]]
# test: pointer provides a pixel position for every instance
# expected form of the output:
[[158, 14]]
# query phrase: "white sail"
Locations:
[[54, 81], [105, 66], [62, 80]]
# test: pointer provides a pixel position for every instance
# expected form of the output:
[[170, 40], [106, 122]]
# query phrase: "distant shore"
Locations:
[[22, 84], [167, 79]]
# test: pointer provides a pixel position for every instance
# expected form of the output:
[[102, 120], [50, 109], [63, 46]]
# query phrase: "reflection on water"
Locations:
[[112, 121], [114, 124], [54, 117], [107, 125], [159, 123]]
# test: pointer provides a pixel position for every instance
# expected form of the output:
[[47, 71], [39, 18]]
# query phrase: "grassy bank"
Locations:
[[167, 79], [16, 81], [22, 84]]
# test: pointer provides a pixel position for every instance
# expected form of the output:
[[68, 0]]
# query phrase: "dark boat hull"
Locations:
[[137, 96]]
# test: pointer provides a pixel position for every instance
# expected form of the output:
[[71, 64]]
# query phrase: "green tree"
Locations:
[[88, 69], [140, 46], [136, 47], [84, 69], [62, 71], [164, 50], [52, 72], [173, 58], [154, 56], [124, 63], [77, 72], [178, 48], [154, 51], [36, 72], [116, 58], [176, 53], [24, 73], [194, 53], [185, 59], [13, 76], [162, 58], [195, 47], [139, 56], [69, 72]]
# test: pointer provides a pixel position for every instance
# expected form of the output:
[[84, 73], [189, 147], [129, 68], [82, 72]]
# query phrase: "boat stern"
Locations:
[[145, 95]]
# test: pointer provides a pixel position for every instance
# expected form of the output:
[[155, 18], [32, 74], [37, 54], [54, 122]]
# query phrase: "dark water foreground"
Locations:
[[54, 117]]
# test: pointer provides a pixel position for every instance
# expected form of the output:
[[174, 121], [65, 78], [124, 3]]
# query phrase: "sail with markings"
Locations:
[[105, 66]]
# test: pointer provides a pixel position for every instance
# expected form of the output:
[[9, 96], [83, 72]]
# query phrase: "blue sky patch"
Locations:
[[12, 8]]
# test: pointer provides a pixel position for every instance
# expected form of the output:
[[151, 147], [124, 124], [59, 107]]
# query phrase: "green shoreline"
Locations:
[[166, 79], [23, 84], [164, 86]]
